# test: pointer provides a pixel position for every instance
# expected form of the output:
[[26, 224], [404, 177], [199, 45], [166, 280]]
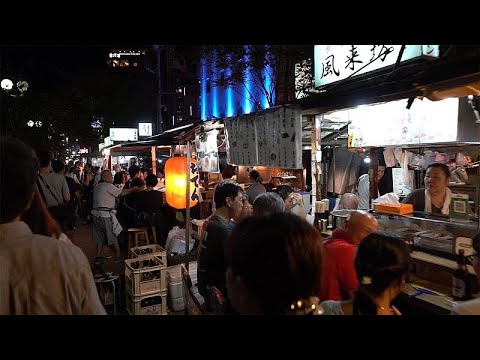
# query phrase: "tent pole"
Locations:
[[187, 216]]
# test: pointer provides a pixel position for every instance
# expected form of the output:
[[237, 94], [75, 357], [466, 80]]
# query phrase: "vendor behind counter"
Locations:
[[435, 197]]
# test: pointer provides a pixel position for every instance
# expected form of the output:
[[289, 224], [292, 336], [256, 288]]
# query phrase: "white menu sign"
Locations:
[[267, 138], [123, 134], [145, 129], [338, 62]]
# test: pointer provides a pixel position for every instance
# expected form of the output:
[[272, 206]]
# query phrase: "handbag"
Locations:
[[59, 211]]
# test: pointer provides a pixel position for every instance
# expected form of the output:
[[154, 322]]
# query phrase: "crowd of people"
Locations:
[[264, 257], [260, 254]]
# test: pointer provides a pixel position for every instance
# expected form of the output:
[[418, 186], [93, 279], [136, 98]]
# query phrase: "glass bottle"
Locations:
[[460, 282]]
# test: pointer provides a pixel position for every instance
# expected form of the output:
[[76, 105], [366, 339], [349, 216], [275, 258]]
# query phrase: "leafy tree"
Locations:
[[276, 62]]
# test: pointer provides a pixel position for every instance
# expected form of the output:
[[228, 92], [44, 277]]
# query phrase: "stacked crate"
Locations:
[[145, 285], [149, 250], [175, 286]]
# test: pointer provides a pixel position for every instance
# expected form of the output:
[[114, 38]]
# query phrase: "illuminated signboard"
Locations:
[[391, 123], [144, 129], [339, 62], [108, 141], [123, 134], [101, 146], [119, 54]]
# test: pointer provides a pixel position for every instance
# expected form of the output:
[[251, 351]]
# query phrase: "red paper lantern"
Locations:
[[176, 184]]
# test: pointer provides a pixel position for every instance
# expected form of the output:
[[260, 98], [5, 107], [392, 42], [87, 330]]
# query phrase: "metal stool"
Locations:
[[108, 278]]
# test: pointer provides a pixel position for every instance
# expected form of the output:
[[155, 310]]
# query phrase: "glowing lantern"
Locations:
[[176, 182]]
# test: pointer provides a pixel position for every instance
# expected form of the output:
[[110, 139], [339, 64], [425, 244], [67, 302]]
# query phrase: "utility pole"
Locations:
[[159, 127]]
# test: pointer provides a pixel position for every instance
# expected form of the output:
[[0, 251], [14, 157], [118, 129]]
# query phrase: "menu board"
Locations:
[[268, 134], [290, 138], [268, 138]]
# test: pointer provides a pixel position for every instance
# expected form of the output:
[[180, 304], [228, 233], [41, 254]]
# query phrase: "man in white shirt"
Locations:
[[39, 275], [106, 227], [363, 188]]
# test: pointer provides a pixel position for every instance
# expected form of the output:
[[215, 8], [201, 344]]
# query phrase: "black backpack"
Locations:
[[142, 219]]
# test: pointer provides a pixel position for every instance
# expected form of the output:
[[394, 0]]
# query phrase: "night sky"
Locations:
[[75, 80], [46, 67]]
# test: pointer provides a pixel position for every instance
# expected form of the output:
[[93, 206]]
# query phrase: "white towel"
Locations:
[[117, 228], [446, 204]]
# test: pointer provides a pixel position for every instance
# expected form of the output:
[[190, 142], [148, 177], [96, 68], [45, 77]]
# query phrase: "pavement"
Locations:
[[83, 238]]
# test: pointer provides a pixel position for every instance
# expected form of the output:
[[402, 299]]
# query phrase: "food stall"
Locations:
[[270, 142], [432, 119], [443, 131]]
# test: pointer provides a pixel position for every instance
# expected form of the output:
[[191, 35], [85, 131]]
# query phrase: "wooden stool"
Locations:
[[135, 236], [153, 238]]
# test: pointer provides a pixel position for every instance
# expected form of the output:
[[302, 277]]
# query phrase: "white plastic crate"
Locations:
[[152, 304], [145, 275], [175, 287], [149, 250], [178, 304], [174, 279]]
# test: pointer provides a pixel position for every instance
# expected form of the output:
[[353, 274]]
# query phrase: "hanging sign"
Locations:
[[338, 62]]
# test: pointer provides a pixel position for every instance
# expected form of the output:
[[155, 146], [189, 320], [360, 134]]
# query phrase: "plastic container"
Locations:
[[174, 280]]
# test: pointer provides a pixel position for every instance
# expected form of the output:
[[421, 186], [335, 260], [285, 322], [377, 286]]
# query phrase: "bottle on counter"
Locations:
[[316, 221], [460, 282]]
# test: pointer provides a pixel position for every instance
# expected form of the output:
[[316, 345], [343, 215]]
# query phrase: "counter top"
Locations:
[[425, 294], [435, 218], [437, 260]]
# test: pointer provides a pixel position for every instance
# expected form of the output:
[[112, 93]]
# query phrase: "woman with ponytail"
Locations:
[[382, 262]]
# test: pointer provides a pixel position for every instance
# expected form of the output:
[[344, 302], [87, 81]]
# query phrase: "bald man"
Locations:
[[105, 224], [339, 278], [348, 201]]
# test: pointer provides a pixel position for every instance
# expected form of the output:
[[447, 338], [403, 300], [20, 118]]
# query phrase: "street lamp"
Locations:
[[15, 91], [20, 87], [6, 84]]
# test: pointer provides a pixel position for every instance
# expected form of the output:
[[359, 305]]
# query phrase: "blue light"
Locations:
[[235, 100], [230, 102], [268, 83], [214, 90], [203, 88], [247, 105]]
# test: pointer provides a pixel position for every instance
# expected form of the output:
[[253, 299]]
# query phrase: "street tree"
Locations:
[[262, 70]]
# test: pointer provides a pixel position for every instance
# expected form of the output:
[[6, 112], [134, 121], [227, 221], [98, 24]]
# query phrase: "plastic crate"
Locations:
[[150, 250], [152, 304], [145, 275]]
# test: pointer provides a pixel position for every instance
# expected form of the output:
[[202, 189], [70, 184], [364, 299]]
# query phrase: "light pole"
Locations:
[[159, 127]]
